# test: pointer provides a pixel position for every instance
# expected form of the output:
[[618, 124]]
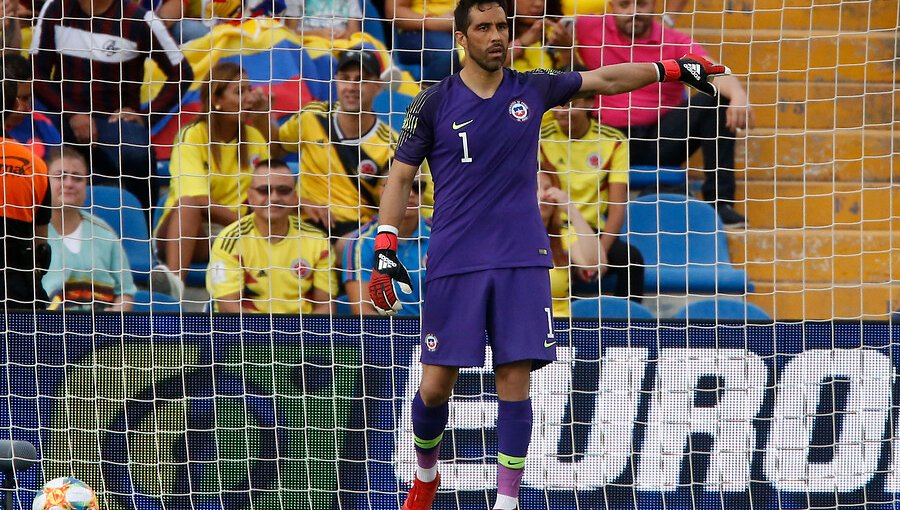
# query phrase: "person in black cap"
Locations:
[[344, 148]]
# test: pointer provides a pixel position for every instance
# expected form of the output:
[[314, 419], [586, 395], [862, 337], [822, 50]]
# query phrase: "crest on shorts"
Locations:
[[431, 342], [518, 110], [301, 268]]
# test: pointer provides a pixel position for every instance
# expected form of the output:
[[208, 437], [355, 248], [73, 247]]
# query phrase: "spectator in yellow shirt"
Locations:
[[541, 38], [270, 261], [212, 164], [592, 162], [345, 149]]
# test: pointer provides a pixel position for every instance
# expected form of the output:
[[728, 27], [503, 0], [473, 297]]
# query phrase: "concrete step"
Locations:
[[819, 256], [797, 205], [869, 170], [869, 152], [798, 301], [848, 16], [805, 55], [802, 105]]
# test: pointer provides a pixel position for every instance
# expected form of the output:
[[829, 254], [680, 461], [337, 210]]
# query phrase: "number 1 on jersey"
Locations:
[[465, 144]]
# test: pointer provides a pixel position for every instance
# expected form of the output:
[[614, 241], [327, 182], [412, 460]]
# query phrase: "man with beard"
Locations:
[[663, 125], [344, 148], [479, 130]]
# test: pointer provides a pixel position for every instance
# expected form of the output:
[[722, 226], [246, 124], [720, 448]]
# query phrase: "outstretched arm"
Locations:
[[617, 79], [693, 70]]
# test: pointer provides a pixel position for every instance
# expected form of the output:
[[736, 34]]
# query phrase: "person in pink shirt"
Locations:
[[663, 123]]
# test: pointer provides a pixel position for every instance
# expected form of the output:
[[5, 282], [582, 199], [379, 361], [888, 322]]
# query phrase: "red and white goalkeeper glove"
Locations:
[[693, 70], [387, 270]]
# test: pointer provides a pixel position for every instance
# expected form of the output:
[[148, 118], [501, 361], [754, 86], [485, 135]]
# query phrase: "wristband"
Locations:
[[388, 228], [668, 70]]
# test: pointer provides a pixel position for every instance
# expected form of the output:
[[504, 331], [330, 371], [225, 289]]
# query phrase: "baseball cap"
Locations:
[[366, 59]]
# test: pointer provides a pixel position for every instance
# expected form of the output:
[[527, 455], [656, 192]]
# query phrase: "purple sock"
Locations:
[[428, 430], [513, 437]]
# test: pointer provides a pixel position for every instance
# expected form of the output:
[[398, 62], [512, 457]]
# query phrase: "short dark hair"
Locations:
[[274, 163], [461, 16], [19, 67]]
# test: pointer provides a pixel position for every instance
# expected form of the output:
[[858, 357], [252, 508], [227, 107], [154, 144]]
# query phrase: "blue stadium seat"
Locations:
[[684, 246], [729, 309], [124, 213], [146, 301], [609, 307], [641, 176]]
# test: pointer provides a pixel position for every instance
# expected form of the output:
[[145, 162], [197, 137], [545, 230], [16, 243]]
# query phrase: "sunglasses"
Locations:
[[283, 190]]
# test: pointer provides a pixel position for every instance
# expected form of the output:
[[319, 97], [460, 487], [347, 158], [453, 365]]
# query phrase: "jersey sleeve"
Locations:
[[558, 87], [225, 276], [361, 259], [289, 134], [189, 165], [417, 133]]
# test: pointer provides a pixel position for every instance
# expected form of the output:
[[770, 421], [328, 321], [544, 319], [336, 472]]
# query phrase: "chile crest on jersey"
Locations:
[[518, 110]]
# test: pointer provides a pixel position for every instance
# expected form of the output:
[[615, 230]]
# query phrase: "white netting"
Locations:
[[159, 205]]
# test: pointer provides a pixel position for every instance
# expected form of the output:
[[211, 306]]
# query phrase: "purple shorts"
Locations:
[[513, 305]]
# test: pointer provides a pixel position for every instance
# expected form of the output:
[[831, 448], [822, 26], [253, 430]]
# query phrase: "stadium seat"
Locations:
[[124, 213], [684, 246], [729, 309], [641, 176], [146, 301], [609, 307]]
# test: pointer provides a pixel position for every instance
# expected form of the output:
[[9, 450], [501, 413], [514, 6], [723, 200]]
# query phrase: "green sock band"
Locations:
[[510, 462], [427, 444]]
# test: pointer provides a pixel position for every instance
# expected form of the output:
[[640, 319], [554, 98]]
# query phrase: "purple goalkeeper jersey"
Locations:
[[483, 158]]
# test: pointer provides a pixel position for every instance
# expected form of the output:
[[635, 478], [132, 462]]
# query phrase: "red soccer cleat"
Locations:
[[422, 494]]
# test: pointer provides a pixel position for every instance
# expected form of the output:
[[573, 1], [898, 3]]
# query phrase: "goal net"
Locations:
[[723, 281]]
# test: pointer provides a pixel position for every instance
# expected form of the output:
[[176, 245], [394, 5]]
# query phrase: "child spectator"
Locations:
[[359, 258], [32, 129]]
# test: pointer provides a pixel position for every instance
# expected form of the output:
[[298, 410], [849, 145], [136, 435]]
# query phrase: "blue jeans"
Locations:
[[434, 53]]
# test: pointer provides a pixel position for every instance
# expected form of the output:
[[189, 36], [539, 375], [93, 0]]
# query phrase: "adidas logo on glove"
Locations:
[[694, 69], [385, 263]]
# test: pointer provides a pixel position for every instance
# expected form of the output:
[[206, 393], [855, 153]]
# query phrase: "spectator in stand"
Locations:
[[344, 148], [30, 128], [12, 31], [582, 7], [89, 269], [325, 18], [664, 127], [591, 161], [270, 261], [359, 258], [24, 215], [573, 243], [211, 166], [183, 17], [423, 36], [89, 67], [541, 40]]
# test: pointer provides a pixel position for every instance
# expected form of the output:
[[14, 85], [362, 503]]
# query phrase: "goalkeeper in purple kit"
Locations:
[[489, 255]]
